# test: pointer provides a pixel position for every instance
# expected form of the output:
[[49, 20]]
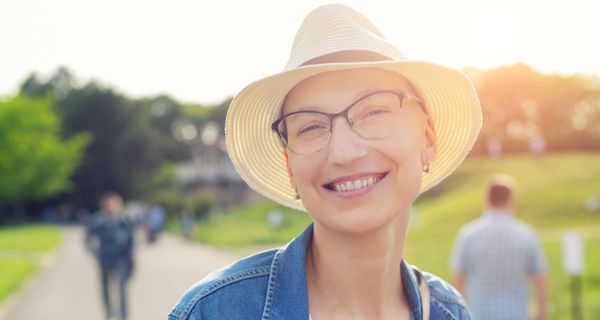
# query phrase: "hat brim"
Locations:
[[257, 153]]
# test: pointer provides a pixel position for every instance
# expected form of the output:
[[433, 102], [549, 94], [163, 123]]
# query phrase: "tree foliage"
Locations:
[[519, 104], [35, 162], [130, 140]]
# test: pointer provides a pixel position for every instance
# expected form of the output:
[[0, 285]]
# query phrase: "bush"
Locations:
[[200, 205], [171, 201]]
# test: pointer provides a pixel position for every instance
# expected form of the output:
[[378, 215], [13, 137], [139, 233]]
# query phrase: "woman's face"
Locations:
[[392, 164]]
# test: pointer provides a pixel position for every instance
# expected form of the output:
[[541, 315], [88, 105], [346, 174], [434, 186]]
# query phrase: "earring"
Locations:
[[296, 196], [427, 168]]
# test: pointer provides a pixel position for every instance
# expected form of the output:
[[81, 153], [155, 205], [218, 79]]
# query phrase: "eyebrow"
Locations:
[[310, 108]]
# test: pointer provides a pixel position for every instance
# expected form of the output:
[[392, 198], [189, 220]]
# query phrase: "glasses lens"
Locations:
[[305, 131], [377, 115]]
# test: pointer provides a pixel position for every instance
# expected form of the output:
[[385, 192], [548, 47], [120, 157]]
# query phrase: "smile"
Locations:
[[354, 183]]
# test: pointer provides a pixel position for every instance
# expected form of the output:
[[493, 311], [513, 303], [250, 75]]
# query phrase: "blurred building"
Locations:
[[211, 170]]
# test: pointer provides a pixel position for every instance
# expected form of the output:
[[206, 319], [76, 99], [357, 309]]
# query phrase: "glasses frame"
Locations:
[[344, 113]]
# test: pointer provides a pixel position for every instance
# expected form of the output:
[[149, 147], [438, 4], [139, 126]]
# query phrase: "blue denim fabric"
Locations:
[[110, 240], [271, 285]]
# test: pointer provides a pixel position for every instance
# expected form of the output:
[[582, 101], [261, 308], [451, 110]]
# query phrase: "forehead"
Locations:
[[337, 89]]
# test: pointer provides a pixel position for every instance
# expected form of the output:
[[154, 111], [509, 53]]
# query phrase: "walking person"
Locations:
[[350, 132], [110, 238], [155, 222], [496, 256]]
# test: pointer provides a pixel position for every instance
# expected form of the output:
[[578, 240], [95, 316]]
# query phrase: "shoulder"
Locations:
[[525, 228], [441, 289], [445, 300], [230, 292], [125, 221], [471, 228], [96, 222]]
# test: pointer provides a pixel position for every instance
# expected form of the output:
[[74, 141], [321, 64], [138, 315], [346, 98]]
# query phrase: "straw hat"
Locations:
[[326, 34]]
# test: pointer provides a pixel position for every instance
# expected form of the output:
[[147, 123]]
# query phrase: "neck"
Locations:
[[505, 210], [111, 216], [357, 276]]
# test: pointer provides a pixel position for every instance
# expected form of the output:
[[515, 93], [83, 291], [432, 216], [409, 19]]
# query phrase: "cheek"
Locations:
[[405, 150], [408, 167], [405, 154], [304, 172]]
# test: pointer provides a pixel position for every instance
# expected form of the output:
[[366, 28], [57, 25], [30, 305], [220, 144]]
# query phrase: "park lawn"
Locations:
[[21, 249], [245, 229], [560, 298], [550, 192], [12, 273]]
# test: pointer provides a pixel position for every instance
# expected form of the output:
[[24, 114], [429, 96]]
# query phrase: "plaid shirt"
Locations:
[[498, 254]]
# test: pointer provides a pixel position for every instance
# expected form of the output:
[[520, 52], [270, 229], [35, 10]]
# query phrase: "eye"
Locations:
[[375, 111], [311, 128]]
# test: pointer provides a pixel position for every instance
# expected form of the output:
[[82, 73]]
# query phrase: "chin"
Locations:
[[359, 221]]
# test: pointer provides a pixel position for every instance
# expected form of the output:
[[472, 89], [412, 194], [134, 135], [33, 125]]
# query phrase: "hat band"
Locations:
[[347, 56]]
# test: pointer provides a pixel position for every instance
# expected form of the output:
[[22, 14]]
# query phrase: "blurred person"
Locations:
[[154, 222], [494, 148], [494, 258], [537, 146], [351, 132], [187, 224], [109, 238]]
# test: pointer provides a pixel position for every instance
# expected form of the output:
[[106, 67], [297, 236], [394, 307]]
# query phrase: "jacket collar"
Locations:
[[287, 294], [498, 214]]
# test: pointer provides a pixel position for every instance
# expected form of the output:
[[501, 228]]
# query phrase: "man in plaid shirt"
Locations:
[[494, 258]]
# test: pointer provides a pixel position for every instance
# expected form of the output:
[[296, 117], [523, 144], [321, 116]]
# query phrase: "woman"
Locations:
[[351, 132]]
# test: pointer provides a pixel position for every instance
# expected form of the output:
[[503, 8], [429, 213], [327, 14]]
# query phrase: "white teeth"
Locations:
[[355, 185], [349, 186]]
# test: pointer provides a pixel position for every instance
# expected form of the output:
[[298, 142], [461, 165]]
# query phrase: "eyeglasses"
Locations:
[[373, 116]]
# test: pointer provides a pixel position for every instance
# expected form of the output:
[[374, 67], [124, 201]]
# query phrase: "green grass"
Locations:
[[560, 298], [21, 248], [550, 195], [12, 273], [34, 238], [247, 228]]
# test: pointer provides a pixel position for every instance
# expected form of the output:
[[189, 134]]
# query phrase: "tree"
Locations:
[[167, 116], [132, 146], [519, 104], [35, 163], [59, 84], [125, 150]]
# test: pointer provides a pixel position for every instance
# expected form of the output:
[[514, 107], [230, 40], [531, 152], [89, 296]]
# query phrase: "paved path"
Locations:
[[70, 290]]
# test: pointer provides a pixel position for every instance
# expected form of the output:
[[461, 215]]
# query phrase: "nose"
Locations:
[[345, 146]]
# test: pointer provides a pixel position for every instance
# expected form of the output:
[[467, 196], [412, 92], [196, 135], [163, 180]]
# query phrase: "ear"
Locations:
[[430, 142], [512, 204]]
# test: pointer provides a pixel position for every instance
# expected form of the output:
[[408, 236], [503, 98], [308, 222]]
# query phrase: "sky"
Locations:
[[204, 51]]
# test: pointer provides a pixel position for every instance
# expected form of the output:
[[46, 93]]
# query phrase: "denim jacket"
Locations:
[[271, 285], [110, 240]]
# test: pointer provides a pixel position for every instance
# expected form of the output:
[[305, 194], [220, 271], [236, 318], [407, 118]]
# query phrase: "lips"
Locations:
[[351, 183]]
